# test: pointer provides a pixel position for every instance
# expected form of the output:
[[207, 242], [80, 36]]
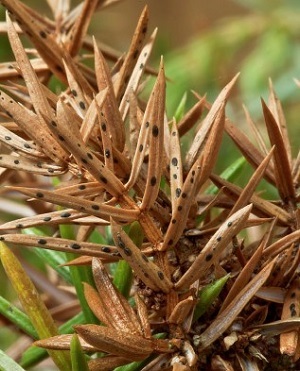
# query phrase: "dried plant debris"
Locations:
[[95, 159]]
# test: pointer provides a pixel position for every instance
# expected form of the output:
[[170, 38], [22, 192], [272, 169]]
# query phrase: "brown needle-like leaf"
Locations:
[[118, 313], [82, 205], [123, 344], [283, 174], [225, 319], [132, 54], [80, 26], [136, 75], [196, 177], [291, 308], [39, 101], [144, 268], [176, 177], [249, 189], [212, 250], [154, 116], [110, 106], [260, 204], [199, 140], [105, 252]]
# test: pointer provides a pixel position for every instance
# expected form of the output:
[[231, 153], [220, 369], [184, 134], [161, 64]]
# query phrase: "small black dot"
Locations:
[[184, 195], [175, 176], [39, 165], [19, 226], [229, 224], [208, 257], [65, 215], [147, 124], [84, 160], [89, 156], [155, 131], [103, 126], [81, 187], [127, 251], [141, 147], [219, 238], [135, 54], [16, 162], [75, 246], [60, 137], [153, 181], [74, 92], [106, 249], [39, 194], [170, 242], [174, 161], [47, 219], [103, 179], [179, 208], [2, 238], [95, 207], [192, 180], [43, 34], [7, 137], [174, 221], [160, 275], [82, 105], [121, 244], [26, 145], [293, 313], [193, 172], [53, 123], [177, 192], [107, 153], [293, 295], [42, 241], [145, 258]]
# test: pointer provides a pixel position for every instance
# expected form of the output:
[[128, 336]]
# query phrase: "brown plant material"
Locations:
[[117, 161]]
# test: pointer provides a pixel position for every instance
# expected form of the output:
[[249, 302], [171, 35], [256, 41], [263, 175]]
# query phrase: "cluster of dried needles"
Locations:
[[104, 178]]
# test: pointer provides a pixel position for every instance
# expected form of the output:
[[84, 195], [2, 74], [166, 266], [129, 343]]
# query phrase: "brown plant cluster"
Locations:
[[118, 160]]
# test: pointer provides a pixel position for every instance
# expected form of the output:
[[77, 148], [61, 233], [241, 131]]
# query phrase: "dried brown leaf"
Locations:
[[122, 344], [225, 319], [80, 26], [110, 107], [93, 208], [191, 117], [132, 54], [176, 176], [212, 250], [283, 174], [154, 116], [62, 342], [35, 91], [262, 207], [105, 252], [136, 75], [291, 308], [118, 312], [249, 189], [201, 136], [144, 268], [107, 363], [277, 111]]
